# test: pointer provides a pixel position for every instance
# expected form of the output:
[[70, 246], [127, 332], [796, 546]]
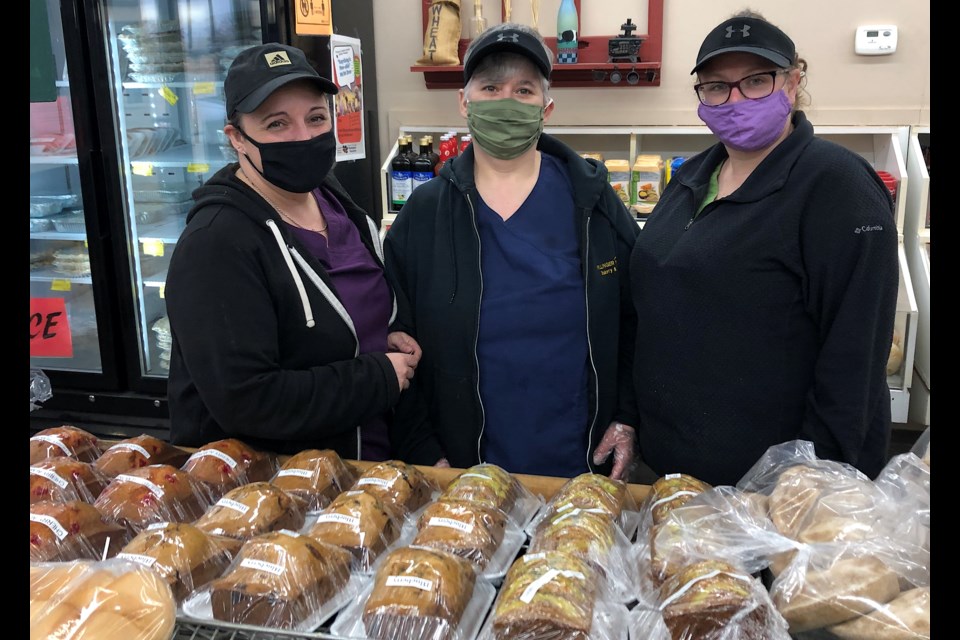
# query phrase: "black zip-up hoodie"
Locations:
[[263, 350], [432, 253]]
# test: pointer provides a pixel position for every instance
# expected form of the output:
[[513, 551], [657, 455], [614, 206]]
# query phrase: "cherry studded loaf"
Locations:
[[360, 523], [314, 477], [546, 595], [418, 593], [184, 556], [279, 579], [137, 452], [252, 509], [65, 440], [63, 479], [74, 530], [229, 463]]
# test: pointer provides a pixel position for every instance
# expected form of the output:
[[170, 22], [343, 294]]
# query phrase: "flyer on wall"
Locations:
[[348, 104]]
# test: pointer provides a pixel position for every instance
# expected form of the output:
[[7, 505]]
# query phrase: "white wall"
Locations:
[[846, 89]]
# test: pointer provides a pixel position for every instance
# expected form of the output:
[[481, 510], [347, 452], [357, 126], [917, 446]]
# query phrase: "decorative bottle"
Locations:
[[568, 28]]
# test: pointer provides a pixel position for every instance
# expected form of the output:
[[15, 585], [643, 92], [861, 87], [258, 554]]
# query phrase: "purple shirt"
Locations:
[[363, 290]]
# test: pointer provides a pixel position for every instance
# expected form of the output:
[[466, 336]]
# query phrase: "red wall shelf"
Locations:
[[594, 68]]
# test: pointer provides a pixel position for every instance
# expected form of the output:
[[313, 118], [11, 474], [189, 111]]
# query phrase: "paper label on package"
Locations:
[[534, 586], [216, 454], [54, 440], [301, 473], [140, 559], [129, 446], [671, 476], [233, 504], [674, 496], [451, 523], [530, 557], [379, 482], [50, 523], [49, 475], [260, 565], [157, 525], [287, 532], [155, 489], [339, 518], [409, 581], [564, 507], [690, 584], [475, 475], [352, 492]]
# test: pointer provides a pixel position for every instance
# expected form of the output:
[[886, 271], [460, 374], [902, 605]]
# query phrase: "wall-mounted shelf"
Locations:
[[594, 68]]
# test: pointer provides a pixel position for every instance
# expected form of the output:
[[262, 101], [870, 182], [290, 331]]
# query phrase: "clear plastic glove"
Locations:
[[442, 463], [619, 439]]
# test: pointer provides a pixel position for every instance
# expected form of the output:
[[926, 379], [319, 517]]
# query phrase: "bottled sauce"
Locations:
[[568, 29], [422, 166], [465, 142], [432, 153], [401, 175], [411, 152], [478, 24]]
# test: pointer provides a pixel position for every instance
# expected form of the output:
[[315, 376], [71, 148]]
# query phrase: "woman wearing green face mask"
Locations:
[[510, 269]]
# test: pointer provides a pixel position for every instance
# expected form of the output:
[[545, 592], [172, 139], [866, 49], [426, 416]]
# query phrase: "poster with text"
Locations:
[[314, 18], [347, 72]]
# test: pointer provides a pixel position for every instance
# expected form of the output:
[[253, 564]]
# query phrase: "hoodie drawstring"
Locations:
[[307, 310]]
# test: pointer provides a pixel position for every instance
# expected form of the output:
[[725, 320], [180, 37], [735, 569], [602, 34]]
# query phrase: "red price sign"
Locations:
[[49, 329]]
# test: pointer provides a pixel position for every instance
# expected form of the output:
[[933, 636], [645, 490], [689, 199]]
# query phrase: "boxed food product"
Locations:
[[647, 180], [618, 174]]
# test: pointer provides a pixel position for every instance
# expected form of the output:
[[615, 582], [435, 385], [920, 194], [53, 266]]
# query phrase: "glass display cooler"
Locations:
[[126, 120]]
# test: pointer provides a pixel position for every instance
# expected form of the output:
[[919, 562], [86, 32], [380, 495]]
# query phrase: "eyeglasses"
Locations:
[[754, 87]]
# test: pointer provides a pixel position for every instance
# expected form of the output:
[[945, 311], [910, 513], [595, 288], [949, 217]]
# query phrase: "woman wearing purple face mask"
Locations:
[[765, 280]]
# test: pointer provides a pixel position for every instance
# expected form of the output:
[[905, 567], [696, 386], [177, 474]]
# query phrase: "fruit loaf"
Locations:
[[400, 486], [671, 491], [469, 529], [358, 522], [314, 477], [133, 453], [225, 464], [65, 440], [64, 531], [63, 479], [252, 509], [486, 484]]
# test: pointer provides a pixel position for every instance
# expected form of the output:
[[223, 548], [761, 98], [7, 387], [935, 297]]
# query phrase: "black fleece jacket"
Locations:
[[769, 317], [432, 254], [244, 363]]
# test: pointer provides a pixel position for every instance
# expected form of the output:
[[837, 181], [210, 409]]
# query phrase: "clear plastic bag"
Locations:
[[250, 510], [40, 389], [64, 479], [594, 492], [493, 486], [314, 477], [65, 440], [468, 529]]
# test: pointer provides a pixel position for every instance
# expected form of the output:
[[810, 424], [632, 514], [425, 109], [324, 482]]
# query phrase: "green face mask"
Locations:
[[504, 128]]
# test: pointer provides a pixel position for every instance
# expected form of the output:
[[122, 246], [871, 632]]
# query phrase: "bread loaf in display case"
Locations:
[[358, 522], [314, 477], [226, 464], [141, 451], [65, 440], [63, 479], [252, 509], [400, 486], [65, 531], [486, 484], [465, 528]]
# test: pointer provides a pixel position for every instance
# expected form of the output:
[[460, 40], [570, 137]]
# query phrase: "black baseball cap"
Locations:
[[259, 71], [748, 35], [496, 40]]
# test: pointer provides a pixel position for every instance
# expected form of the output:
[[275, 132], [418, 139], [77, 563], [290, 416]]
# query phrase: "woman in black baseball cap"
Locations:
[[765, 280], [278, 305]]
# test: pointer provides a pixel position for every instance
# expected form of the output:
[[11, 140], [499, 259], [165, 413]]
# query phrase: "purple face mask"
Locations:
[[748, 125]]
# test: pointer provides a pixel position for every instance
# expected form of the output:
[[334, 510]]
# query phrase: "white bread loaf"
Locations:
[[906, 617]]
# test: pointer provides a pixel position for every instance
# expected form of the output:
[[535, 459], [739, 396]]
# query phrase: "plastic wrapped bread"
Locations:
[[360, 523], [110, 599], [598, 493], [418, 593], [469, 529], [252, 509], [400, 486], [65, 531], [279, 580], [906, 617], [183, 555], [226, 464], [64, 479], [155, 493], [494, 487], [314, 477], [140, 451], [671, 491], [65, 440]]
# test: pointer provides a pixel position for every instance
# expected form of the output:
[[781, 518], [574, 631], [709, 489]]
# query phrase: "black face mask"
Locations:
[[298, 166]]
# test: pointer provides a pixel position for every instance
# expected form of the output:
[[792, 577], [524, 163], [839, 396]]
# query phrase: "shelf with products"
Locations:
[[916, 240], [594, 67], [881, 146]]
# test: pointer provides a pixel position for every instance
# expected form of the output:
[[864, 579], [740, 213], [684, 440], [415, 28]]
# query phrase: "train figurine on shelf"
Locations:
[[626, 46]]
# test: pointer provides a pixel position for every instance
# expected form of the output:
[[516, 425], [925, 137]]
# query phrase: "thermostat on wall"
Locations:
[[875, 40]]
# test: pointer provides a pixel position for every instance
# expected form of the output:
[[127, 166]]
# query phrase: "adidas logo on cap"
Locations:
[[276, 58]]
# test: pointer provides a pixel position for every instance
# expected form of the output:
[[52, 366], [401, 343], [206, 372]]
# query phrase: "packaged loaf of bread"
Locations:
[[598, 493], [65, 479], [360, 523], [669, 491], [252, 509], [64, 531], [113, 598], [554, 596], [469, 529], [133, 453], [184, 556], [278, 580], [314, 477], [905, 483], [155, 493], [225, 464], [420, 593], [713, 599], [65, 440], [906, 617], [401, 487], [494, 487]]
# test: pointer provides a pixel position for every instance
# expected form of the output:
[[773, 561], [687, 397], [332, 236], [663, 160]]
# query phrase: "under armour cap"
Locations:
[[511, 40], [259, 71], [748, 35]]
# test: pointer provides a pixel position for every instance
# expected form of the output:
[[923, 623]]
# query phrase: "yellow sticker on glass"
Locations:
[[141, 168], [198, 167], [169, 95], [60, 285], [202, 87], [153, 247]]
